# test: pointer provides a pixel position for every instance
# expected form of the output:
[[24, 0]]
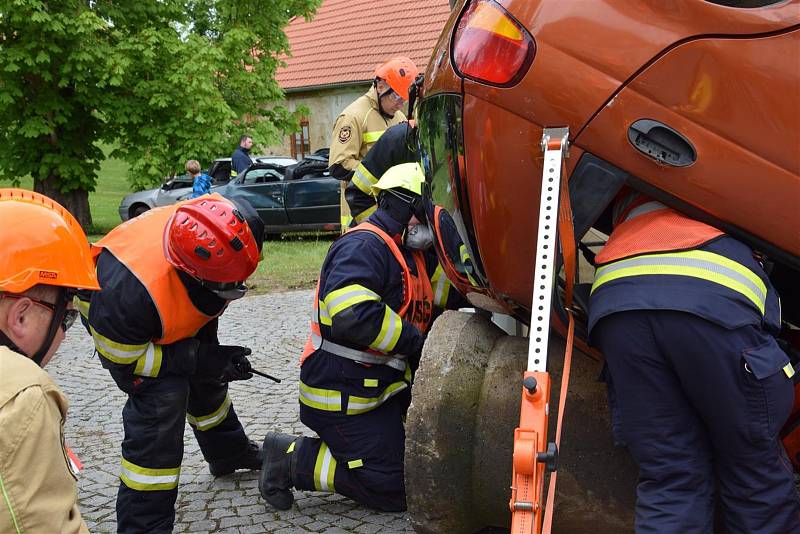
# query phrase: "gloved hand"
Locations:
[[213, 360], [238, 368]]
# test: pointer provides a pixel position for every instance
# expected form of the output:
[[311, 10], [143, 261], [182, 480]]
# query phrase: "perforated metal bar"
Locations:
[[555, 143]]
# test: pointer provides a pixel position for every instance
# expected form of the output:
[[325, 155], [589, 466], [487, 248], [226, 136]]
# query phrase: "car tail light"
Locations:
[[490, 46]]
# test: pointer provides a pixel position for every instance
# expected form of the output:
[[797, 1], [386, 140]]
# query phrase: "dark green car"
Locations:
[[298, 198]]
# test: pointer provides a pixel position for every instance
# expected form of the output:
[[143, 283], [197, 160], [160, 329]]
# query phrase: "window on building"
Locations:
[[301, 144]]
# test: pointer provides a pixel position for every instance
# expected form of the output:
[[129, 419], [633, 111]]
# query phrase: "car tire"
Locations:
[[138, 209]]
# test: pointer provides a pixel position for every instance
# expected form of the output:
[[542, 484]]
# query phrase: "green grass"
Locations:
[[291, 263]]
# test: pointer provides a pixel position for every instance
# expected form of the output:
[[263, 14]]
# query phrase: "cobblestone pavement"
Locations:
[[275, 327]]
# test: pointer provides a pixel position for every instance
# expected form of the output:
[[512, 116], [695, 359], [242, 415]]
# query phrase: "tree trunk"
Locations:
[[76, 201]]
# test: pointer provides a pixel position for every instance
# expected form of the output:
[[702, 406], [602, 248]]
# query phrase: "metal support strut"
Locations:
[[533, 456]]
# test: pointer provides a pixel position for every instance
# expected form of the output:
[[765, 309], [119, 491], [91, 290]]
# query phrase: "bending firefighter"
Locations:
[[363, 122], [374, 304], [686, 316], [167, 276], [45, 260]]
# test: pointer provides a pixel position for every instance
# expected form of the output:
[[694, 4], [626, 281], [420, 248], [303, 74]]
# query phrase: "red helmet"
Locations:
[[208, 238], [399, 73]]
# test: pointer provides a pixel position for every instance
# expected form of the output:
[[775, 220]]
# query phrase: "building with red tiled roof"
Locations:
[[334, 55]]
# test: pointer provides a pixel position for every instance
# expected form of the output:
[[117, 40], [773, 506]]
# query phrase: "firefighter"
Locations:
[[393, 148], [686, 316], [167, 276], [372, 310], [361, 123], [45, 260]]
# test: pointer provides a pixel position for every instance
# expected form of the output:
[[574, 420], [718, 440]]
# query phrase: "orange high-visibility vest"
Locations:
[[139, 245], [417, 307], [648, 226]]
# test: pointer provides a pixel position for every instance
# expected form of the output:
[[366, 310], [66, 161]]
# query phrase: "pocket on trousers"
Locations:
[[768, 389]]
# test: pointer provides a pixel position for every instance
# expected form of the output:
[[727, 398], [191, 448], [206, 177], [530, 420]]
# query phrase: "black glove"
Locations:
[[213, 360], [238, 368]]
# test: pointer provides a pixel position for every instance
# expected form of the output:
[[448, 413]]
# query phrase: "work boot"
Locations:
[[250, 459], [275, 481]]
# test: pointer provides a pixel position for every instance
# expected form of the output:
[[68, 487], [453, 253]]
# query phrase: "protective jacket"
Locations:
[[658, 259], [357, 128], [38, 490], [372, 310], [391, 149]]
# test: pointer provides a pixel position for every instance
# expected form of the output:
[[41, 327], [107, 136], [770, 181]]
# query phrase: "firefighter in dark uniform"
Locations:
[[685, 316], [392, 148], [167, 276], [373, 307]]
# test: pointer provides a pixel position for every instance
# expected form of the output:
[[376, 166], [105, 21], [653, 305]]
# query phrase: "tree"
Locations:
[[161, 80]]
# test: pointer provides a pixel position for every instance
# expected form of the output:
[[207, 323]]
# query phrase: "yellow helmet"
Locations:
[[408, 176]]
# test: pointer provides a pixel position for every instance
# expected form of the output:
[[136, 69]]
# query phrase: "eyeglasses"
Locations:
[[70, 316]]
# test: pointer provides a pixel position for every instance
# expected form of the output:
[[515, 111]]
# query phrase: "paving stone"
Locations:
[[275, 327]]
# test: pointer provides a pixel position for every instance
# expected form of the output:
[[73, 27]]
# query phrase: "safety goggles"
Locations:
[[70, 316], [393, 95]]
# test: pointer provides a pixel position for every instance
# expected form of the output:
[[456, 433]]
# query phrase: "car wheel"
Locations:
[[138, 209]]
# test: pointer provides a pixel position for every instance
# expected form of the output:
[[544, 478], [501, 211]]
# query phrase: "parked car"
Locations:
[[298, 198], [180, 186]]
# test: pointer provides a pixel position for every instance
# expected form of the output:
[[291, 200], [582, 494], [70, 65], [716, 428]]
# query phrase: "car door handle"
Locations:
[[661, 143]]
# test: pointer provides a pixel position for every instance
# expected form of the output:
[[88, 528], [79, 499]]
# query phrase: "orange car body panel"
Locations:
[[602, 64]]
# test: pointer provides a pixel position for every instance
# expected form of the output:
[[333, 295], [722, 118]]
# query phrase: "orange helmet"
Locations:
[[399, 73], [41, 243], [208, 238]]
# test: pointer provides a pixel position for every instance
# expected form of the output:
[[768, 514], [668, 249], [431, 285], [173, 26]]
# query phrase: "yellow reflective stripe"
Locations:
[[364, 180], [391, 327], [291, 447], [344, 220], [147, 479], [347, 296], [207, 422], [322, 399], [371, 137], [407, 375], [82, 306], [370, 382], [694, 263], [150, 363], [466, 260], [359, 405], [354, 464], [324, 316], [121, 353], [10, 507], [441, 287], [361, 217], [324, 469], [789, 370]]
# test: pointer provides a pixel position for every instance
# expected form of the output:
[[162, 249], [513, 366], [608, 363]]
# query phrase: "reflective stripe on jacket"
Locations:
[[416, 308], [658, 258], [138, 244]]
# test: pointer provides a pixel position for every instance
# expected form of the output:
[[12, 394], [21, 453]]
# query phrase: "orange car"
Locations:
[[693, 102]]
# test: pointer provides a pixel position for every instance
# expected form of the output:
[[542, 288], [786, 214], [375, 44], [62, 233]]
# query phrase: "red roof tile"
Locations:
[[348, 39]]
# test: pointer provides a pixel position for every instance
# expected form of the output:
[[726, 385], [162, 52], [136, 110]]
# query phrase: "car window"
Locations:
[[261, 176]]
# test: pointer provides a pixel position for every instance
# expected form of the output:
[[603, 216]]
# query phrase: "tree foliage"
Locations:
[[161, 80]]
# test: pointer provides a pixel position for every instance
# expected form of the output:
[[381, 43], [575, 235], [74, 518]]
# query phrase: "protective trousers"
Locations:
[[154, 420], [700, 408], [359, 456]]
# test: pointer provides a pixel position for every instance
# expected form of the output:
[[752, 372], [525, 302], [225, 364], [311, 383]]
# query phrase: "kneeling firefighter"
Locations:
[[372, 310], [167, 276]]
